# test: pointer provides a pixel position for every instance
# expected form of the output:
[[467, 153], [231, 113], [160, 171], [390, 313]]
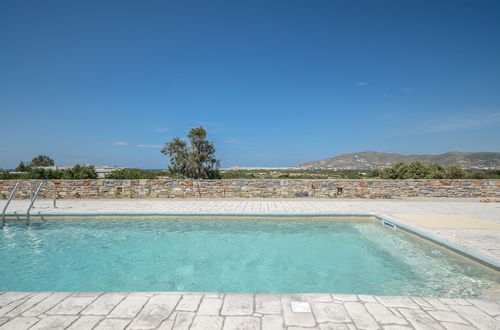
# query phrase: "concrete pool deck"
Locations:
[[200, 311], [468, 223]]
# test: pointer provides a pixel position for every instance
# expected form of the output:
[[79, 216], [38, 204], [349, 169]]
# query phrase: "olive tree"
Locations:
[[42, 160], [195, 159]]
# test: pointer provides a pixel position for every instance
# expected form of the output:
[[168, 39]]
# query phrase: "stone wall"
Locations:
[[160, 188]]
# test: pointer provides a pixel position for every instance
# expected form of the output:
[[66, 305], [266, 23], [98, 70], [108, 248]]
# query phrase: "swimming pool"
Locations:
[[232, 254]]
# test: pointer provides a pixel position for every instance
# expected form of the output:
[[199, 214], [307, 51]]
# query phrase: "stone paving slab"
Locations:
[[447, 221], [166, 310]]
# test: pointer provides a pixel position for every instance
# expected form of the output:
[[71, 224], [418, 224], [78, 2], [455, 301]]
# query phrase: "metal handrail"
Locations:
[[12, 193], [40, 186]]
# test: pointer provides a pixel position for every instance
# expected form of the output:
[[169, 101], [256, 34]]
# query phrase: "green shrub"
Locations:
[[134, 173], [420, 170], [482, 174], [78, 172], [5, 175], [352, 175], [42, 173], [24, 167], [237, 174], [454, 172]]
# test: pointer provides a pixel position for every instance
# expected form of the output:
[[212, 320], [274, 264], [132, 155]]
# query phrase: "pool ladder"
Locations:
[[33, 197]]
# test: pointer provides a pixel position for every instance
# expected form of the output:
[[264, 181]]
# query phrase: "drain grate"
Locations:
[[389, 224]]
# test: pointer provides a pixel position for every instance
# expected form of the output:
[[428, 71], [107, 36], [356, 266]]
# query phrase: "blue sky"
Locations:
[[275, 83]]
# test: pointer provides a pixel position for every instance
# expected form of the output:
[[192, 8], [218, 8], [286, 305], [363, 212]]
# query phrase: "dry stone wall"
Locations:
[[162, 188]]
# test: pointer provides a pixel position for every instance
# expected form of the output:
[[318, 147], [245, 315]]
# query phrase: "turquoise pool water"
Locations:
[[279, 255]]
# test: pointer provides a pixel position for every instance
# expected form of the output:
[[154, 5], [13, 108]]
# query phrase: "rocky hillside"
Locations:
[[369, 160]]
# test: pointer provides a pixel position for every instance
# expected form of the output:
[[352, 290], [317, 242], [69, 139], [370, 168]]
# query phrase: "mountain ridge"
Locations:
[[370, 160]]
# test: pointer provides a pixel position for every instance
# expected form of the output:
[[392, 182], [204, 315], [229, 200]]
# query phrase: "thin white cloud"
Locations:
[[206, 123], [463, 123], [440, 124], [161, 129], [233, 141], [140, 145], [406, 89], [362, 84], [386, 116], [156, 146]]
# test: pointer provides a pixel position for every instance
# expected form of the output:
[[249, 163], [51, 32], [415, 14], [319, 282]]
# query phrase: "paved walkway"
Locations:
[[471, 208], [61, 310]]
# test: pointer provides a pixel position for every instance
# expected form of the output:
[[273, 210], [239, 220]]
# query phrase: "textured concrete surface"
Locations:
[[447, 221], [465, 207], [175, 310]]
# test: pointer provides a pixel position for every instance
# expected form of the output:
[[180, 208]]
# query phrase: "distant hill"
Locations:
[[369, 160]]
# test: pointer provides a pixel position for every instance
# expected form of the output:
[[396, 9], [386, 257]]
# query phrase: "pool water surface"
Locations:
[[229, 254]]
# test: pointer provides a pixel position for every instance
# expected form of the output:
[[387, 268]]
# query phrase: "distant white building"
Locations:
[[244, 168], [102, 171]]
